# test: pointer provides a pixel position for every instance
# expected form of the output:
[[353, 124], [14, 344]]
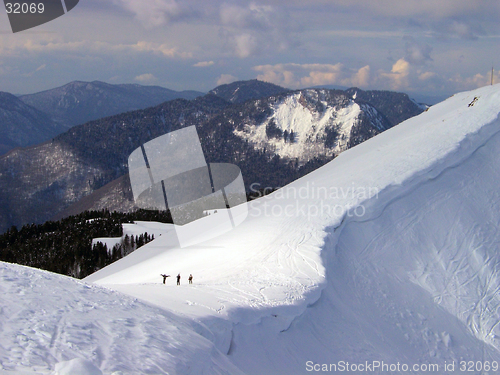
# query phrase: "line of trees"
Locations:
[[126, 246], [65, 246]]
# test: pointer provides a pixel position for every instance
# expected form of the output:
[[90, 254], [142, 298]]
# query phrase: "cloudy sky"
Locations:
[[427, 47]]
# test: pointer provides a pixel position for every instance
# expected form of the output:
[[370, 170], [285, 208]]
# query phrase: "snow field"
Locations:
[[413, 280], [48, 320], [296, 288]]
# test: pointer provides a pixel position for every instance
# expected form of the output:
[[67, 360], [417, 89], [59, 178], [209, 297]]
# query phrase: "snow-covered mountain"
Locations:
[[276, 139], [51, 179], [313, 123], [386, 256]]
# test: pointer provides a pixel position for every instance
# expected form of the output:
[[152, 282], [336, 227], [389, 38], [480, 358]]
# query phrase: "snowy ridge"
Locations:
[[388, 253]]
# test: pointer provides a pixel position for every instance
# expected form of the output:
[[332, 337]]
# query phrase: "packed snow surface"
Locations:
[[388, 254], [51, 322]]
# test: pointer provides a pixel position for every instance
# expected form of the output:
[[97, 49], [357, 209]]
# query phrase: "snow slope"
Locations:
[[48, 321], [389, 253]]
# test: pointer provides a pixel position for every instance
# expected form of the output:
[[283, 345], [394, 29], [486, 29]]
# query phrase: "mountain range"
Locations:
[[273, 139], [35, 118]]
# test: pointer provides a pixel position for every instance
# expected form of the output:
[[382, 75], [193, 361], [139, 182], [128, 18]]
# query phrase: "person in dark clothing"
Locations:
[[179, 279], [190, 278], [164, 277]]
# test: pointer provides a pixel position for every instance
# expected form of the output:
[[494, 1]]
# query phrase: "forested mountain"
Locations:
[[241, 91], [39, 182], [274, 140], [32, 119], [395, 106]]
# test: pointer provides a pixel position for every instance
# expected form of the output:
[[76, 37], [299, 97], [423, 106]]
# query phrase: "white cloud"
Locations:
[[224, 79], [203, 64], [474, 81], [162, 49], [362, 77], [412, 8], [154, 13], [426, 76], [401, 67], [52, 46], [84, 47], [307, 75], [463, 29], [106, 41], [252, 16], [245, 45], [322, 74], [256, 29], [416, 53], [464, 19], [146, 78], [398, 78]]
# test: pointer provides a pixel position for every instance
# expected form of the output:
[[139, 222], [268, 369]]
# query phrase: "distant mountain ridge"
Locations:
[[241, 91], [27, 120], [22, 125], [51, 179], [80, 102]]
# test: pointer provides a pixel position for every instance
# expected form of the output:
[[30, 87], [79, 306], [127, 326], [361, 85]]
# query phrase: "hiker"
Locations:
[[179, 279], [164, 277], [190, 278]]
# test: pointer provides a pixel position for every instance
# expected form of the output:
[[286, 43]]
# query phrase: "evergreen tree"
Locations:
[[126, 244]]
